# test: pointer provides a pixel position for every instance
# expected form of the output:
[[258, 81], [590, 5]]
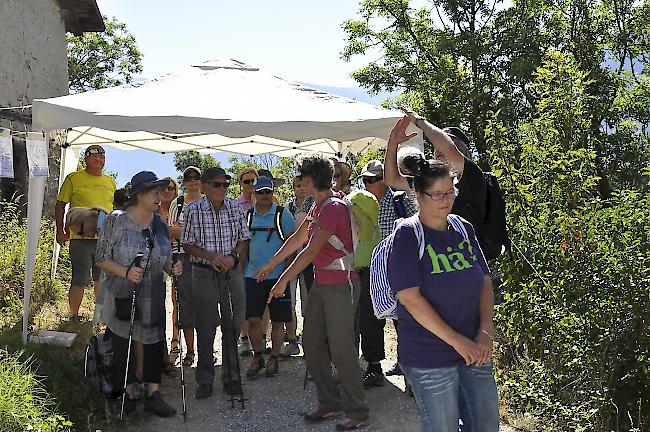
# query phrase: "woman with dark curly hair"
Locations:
[[445, 308], [332, 303]]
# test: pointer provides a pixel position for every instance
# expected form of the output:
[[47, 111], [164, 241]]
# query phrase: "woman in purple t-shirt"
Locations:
[[329, 331], [445, 310]]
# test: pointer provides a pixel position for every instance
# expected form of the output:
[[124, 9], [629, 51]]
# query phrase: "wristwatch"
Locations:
[[235, 256]]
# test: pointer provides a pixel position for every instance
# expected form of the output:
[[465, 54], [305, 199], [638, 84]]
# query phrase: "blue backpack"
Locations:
[[384, 301]]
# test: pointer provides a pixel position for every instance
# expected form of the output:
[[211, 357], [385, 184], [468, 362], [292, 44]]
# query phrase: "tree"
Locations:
[[99, 60], [193, 158]]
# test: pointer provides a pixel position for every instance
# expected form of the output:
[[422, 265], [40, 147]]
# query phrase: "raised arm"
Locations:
[[440, 140], [392, 176]]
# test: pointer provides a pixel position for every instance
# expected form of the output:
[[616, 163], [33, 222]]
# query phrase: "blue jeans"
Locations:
[[443, 394]]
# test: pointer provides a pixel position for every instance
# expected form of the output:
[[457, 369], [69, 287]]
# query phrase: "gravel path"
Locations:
[[276, 404]]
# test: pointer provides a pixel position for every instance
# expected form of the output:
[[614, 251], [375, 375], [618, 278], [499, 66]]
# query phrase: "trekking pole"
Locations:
[[231, 330], [180, 335], [137, 262]]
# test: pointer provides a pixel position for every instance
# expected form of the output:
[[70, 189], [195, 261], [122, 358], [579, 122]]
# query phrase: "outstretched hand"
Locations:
[[398, 134], [263, 272]]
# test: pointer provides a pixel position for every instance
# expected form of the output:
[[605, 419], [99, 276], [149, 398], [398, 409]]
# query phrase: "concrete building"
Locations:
[[33, 53]]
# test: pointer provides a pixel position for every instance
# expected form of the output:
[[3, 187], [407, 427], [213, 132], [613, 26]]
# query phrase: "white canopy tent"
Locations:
[[218, 105]]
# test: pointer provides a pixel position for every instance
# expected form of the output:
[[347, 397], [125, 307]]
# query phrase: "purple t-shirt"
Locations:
[[450, 276]]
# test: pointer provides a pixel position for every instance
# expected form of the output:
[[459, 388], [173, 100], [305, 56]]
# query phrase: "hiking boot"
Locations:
[[271, 367], [203, 391], [395, 370], [156, 405], [373, 379], [257, 364], [130, 405], [245, 347], [291, 349]]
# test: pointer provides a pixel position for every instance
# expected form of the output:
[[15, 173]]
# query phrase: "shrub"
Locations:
[[24, 403], [576, 342]]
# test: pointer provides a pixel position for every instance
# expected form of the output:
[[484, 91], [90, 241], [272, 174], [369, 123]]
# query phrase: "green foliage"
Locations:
[[45, 289], [24, 403], [280, 167], [184, 159], [105, 59], [575, 343], [457, 62]]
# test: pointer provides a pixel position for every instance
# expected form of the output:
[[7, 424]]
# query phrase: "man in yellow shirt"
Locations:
[[86, 188]]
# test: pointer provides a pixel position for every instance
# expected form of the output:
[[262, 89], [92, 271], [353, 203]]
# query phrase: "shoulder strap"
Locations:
[[180, 202], [249, 218], [398, 203], [279, 210], [419, 235], [457, 222]]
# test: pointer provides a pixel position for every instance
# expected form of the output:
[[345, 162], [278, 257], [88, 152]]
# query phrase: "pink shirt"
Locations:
[[335, 219], [245, 203]]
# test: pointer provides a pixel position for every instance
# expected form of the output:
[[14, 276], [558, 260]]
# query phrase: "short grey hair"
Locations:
[[402, 153]]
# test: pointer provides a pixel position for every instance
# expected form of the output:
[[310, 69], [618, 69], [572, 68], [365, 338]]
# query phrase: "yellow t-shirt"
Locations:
[[81, 189]]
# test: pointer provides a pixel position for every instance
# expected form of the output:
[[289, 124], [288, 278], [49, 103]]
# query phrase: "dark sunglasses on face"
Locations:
[[264, 192], [217, 184], [191, 178], [372, 180]]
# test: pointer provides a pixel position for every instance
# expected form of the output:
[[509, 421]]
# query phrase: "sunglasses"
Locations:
[[191, 178], [216, 184], [372, 180], [95, 151], [264, 192], [248, 181]]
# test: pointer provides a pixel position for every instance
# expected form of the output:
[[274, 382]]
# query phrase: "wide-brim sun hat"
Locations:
[[277, 182], [144, 180]]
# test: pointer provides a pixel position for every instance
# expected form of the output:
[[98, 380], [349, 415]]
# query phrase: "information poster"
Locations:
[[37, 155], [6, 155]]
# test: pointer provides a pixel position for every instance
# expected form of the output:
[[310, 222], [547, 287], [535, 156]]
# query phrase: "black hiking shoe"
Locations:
[[373, 379], [156, 405], [395, 370], [130, 405]]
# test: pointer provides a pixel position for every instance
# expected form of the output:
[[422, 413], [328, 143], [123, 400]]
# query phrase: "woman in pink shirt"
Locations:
[[332, 303]]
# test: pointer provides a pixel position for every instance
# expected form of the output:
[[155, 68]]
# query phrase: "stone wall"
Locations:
[[33, 53]]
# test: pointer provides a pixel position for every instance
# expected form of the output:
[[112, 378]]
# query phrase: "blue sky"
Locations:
[[299, 40]]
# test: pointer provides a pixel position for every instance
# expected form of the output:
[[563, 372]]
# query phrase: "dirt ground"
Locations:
[[277, 404]]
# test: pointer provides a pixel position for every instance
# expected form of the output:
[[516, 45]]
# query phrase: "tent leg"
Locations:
[[35, 196]]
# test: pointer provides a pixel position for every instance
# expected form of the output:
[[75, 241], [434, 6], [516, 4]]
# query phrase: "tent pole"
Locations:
[[35, 196]]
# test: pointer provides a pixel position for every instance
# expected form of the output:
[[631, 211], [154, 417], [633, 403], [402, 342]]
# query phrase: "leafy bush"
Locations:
[[575, 343], [45, 288], [24, 403]]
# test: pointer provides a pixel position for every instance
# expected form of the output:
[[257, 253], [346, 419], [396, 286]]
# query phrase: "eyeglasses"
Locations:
[[438, 196], [191, 178], [372, 180], [248, 181], [216, 184], [264, 192]]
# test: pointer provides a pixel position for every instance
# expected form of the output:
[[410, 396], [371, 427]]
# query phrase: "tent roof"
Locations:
[[218, 105]]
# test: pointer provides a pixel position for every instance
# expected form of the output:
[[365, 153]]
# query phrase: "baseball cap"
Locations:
[[262, 183], [94, 150], [373, 168], [212, 173], [277, 182]]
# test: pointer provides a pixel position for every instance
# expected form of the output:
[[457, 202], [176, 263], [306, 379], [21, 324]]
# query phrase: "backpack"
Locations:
[[277, 219], [98, 360], [494, 230], [384, 301], [398, 204]]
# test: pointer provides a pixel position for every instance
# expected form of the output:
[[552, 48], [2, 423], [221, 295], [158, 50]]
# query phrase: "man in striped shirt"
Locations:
[[215, 234]]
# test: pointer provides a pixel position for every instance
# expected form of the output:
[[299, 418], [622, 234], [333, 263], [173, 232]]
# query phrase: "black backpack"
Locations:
[[398, 204], [277, 219], [98, 361], [495, 232]]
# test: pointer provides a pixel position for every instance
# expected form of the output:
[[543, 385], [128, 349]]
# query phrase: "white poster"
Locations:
[[37, 155], [6, 155]]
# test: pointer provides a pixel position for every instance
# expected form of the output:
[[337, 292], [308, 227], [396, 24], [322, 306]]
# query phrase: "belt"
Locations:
[[205, 266]]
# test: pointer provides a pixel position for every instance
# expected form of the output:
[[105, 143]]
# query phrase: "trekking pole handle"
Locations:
[[175, 256], [137, 261]]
